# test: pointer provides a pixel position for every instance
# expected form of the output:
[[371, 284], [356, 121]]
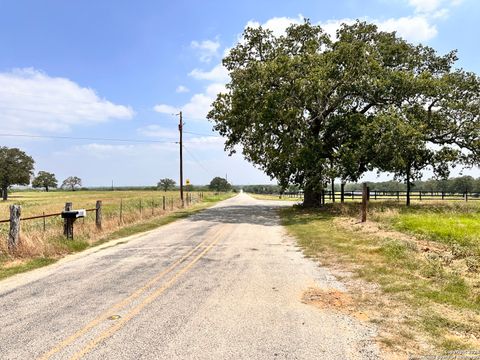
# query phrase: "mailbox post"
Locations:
[[70, 216]]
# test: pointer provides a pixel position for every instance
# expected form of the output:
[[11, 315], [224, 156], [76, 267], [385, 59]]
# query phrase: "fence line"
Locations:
[[389, 194], [15, 216]]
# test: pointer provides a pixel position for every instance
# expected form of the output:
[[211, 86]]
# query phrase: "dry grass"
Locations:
[[39, 246], [424, 296]]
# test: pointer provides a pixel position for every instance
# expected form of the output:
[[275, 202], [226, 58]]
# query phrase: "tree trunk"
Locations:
[[408, 190], [312, 198], [5, 193], [333, 190], [342, 192], [46, 188]]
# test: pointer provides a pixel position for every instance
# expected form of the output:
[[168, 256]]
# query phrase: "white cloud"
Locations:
[[207, 49], [413, 28], [217, 74], [32, 100], [277, 25], [166, 109], [182, 89], [199, 104], [425, 6]]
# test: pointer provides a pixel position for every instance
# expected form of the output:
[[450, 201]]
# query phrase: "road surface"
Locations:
[[226, 283]]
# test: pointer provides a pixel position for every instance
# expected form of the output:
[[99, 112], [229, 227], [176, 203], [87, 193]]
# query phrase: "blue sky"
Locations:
[[120, 69]]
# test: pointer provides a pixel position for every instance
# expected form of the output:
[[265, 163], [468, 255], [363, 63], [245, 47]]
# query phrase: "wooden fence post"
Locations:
[[14, 233], [364, 202], [140, 207], [68, 223], [98, 214], [121, 210], [153, 206], [368, 193], [163, 203], [44, 222]]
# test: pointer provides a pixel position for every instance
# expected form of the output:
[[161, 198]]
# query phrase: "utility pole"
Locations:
[[180, 129]]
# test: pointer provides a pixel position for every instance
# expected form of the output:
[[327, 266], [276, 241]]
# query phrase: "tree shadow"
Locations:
[[254, 214]]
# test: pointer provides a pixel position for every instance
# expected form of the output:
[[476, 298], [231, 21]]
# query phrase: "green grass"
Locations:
[[27, 266], [401, 270]]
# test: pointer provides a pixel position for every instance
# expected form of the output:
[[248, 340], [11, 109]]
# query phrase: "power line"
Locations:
[[194, 133], [197, 161], [88, 138]]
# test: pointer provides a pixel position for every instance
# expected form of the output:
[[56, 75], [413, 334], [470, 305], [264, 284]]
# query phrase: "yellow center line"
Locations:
[[119, 305], [136, 310]]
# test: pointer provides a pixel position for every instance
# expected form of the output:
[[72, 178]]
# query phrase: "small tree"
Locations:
[[72, 182], [166, 184], [219, 184], [45, 180], [16, 168]]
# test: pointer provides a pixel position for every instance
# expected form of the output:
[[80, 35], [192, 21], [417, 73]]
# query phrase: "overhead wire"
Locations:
[[197, 161], [89, 138]]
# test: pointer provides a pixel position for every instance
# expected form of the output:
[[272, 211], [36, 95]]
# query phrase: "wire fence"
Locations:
[[111, 215], [392, 195]]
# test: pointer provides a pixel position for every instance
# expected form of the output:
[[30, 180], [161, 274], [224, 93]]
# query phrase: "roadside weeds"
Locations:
[[421, 303]]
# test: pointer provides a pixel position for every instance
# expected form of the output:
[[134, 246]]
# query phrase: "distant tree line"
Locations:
[[459, 185]]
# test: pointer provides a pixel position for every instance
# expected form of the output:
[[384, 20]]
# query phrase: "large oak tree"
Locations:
[[302, 106]]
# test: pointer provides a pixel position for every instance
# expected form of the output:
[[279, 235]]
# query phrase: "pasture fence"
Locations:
[[125, 210], [391, 195]]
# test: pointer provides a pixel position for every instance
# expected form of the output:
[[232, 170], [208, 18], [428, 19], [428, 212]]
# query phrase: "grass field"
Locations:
[[275, 197], [418, 267], [141, 211]]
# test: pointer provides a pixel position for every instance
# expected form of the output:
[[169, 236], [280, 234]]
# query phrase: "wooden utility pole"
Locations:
[[180, 129]]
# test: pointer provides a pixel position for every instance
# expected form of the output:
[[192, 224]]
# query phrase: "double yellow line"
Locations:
[[134, 311]]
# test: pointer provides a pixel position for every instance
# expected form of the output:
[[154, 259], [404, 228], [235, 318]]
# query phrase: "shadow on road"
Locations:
[[241, 214]]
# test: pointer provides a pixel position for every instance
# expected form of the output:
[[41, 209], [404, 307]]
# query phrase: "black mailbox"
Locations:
[[74, 214]]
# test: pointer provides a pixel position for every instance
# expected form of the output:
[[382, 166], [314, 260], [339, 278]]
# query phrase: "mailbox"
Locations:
[[74, 214]]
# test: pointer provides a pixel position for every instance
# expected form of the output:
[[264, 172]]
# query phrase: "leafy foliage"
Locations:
[[306, 108], [72, 182], [166, 184], [16, 168], [45, 180], [219, 184]]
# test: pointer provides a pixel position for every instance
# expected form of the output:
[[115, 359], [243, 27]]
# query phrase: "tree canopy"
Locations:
[[166, 184], [16, 168], [72, 182], [219, 184], [307, 108], [45, 180]]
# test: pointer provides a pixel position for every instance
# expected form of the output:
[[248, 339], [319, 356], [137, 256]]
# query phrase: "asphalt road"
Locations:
[[225, 283]]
